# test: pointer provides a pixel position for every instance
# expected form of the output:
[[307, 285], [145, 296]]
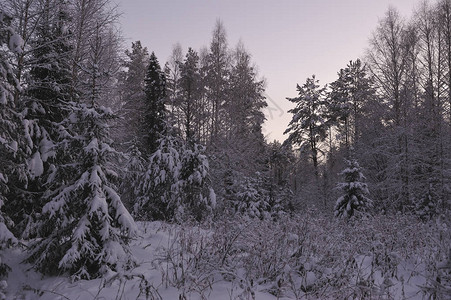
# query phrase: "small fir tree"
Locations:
[[354, 190], [428, 204], [158, 190], [135, 166], [198, 197]]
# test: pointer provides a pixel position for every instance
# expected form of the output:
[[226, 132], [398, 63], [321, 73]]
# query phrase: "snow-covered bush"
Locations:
[[354, 190], [311, 256], [257, 196]]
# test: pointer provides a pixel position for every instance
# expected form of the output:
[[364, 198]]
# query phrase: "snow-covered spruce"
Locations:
[[427, 205], [44, 105], [252, 198], [9, 122], [176, 184], [158, 191], [134, 166], [354, 190], [198, 197], [85, 227], [256, 196]]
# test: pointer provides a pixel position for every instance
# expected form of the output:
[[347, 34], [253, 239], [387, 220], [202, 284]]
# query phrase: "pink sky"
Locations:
[[289, 40]]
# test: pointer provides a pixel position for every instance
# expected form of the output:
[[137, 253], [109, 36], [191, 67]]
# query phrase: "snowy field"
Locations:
[[308, 257]]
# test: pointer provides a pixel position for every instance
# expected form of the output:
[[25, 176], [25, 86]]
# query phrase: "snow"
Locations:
[[92, 147], [3, 95], [27, 284], [14, 146], [98, 203], [16, 43], [5, 235], [212, 198], [36, 165], [172, 262], [46, 148], [82, 228]]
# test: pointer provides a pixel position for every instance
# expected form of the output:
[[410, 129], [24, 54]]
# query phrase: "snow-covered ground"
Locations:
[[309, 257]]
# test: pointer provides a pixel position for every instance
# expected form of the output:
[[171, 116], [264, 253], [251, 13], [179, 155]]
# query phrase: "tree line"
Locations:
[[390, 111]]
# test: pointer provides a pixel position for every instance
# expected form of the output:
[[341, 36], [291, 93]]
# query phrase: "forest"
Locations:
[[126, 177]]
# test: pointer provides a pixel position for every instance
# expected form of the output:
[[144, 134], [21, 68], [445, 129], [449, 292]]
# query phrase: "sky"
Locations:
[[289, 40]]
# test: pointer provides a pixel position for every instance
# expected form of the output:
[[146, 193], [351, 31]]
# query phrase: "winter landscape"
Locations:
[[124, 175]]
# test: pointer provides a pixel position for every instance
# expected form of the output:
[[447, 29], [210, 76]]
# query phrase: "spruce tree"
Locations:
[[9, 137], [348, 96], [158, 190], [354, 189], [86, 227], [154, 119], [83, 227], [176, 185], [198, 198], [46, 103]]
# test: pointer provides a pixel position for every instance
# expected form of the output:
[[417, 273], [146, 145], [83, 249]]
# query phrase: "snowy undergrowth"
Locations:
[[305, 257]]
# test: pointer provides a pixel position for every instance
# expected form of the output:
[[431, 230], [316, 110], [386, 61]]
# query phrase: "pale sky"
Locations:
[[289, 39]]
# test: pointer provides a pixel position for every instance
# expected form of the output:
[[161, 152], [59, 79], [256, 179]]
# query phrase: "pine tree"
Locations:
[[354, 190], [154, 120], [348, 96], [309, 124], [245, 115]]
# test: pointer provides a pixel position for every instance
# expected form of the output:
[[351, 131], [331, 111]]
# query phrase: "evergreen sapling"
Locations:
[[355, 191]]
